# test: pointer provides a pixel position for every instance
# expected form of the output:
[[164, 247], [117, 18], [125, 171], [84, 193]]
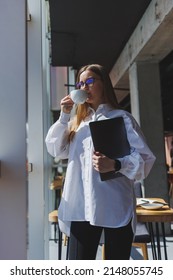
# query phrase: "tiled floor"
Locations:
[[135, 255]]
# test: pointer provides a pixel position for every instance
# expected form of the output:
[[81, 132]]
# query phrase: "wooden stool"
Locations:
[[53, 218], [57, 186], [143, 247], [142, 237]]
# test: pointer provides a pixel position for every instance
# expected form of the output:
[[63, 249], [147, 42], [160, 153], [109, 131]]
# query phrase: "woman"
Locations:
[[88, 205]]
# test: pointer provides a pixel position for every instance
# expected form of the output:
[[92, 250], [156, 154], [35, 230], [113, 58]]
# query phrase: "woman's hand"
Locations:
[[66, 104], [102, 163]]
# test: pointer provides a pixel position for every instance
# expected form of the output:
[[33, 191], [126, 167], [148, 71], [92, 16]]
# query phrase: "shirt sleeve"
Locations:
[[138, 164], [57, 137]]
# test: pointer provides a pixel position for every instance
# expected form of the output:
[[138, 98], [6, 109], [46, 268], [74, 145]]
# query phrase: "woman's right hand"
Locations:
[[66, 104]]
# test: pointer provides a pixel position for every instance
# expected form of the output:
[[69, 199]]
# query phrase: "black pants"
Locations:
[[84, 241]]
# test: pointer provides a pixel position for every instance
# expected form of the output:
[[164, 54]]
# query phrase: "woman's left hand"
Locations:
[[102, 163]]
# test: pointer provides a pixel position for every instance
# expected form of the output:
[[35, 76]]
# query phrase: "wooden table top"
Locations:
[[165, 214]]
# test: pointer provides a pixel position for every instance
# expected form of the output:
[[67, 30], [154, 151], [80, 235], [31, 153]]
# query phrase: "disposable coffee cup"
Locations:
[[79, 96]]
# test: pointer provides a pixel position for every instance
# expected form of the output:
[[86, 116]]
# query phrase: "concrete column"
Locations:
[[146, 107]]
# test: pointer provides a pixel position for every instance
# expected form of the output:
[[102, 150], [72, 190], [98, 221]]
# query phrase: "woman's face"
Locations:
[[94, 88]]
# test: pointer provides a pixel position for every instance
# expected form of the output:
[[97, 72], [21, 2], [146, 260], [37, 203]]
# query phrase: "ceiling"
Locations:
[[93, 31], [96, 31]]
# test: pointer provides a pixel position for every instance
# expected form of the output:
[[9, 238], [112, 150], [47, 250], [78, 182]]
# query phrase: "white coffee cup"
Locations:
[[78, 96]]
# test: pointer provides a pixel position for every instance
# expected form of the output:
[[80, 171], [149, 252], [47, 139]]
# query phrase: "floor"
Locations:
[[136, 253]]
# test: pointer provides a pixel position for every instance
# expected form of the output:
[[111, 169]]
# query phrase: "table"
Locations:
[[160, 216]]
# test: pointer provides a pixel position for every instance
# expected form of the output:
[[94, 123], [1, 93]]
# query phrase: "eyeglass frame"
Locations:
[[82, 84]]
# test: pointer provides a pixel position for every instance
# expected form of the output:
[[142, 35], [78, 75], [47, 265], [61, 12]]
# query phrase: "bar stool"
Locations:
[[57, 186], [142, 237], [53, 218]]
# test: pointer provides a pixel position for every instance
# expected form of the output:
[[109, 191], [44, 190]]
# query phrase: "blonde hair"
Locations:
[[108, 94]]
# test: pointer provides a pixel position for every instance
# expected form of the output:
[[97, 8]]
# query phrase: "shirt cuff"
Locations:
[[64, 118]]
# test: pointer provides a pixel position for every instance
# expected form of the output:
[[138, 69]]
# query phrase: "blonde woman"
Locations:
[[88, 205]]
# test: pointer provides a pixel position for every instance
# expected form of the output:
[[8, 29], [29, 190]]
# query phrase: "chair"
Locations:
[[53, 218], [57, 186], [142, 236]]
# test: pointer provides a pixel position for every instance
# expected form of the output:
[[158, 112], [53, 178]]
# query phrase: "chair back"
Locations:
[[138, 189]]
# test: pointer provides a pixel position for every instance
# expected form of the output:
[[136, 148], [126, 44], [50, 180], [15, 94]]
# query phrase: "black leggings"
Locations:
[[84, 241]]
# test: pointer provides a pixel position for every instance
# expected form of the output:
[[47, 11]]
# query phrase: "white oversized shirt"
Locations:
[[85, 197]]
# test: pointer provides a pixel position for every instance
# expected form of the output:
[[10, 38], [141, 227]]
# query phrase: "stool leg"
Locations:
[[103, 251], [67, 248], [59, 243], [144, 251], [55, 229]]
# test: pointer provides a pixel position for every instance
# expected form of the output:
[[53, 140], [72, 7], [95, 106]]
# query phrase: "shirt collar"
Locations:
[[102, 107]]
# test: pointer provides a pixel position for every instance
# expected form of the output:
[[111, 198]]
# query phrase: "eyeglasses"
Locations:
[[89, 83]]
